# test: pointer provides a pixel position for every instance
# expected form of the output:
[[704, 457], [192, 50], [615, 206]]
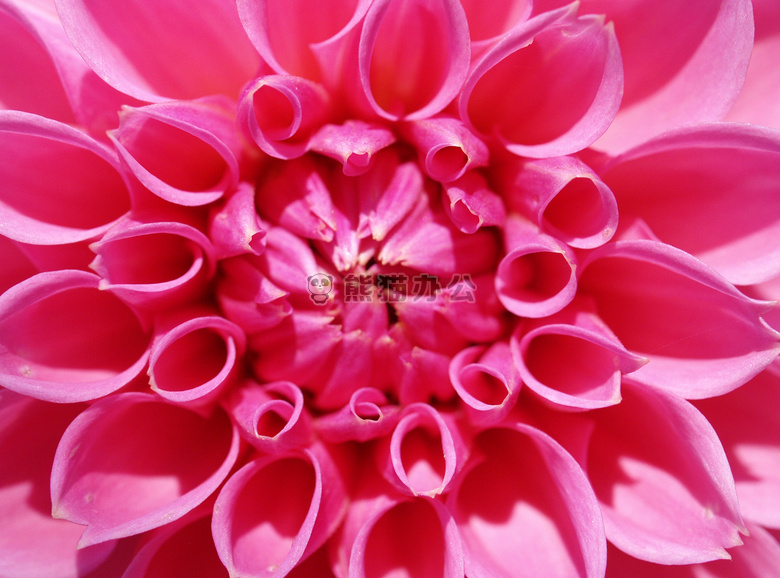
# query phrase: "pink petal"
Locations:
[[576, 60], [353, 144], [78, 197], [32, 543], [471, 306], [16, 265], [758, 557], [171, 52], [184, 152], [536, 277], [281, 113], [64, 340], [169, 466], [234, 226], [196, 360], [702, 336], [263, 528], [447, 148], [748, 426], [368, 415], [154, 264], [423, 376], [563, 197], [470, 204], [666, 490], [709, 191], [488, 21], [575, 363], [271, 417], [486, 381], [694, 75], [524, 508]]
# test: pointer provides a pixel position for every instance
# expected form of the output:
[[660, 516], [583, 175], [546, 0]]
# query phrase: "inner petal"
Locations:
[[423, 460]]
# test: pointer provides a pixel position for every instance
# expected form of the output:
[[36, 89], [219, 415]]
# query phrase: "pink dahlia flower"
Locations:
[[389, 288]]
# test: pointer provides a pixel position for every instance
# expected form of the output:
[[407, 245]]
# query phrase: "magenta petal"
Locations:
[[280, 113], [234, 227], [184, 152], [78, 197], [758, 557], [470, 204], [171, 52], [368, 415], [169, 466], [666, 490], [576, 60], [353, 144], [64, 340], [525, 508], [565, 198], [488, 21], [16, 265], [32, 543], [710, 191], [196, 360], [536, 277], [702, 336], [262, 527]]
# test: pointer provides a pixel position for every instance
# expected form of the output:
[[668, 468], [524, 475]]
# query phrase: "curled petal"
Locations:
[[184, 152], [154, 264], [170, 466], [710, 191], [79, 195], [64, 340], [565, 198], [423, 453], [702, 336], [447, 148], [195, 360], [525, 508], [281, 113], [353, 144], [666, 490], [31, 542], [573, 365], [171, 52], [234, 227], [271, 417], [470, 204], [537, 276], [263, 528], [368, 415], [486, 381], [576, 60]]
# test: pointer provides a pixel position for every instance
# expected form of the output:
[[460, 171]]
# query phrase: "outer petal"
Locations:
[[32, 544], [576, 60], [524, 508], [702, 336], [263, 528], [168, 52], [662, 479], [64, 340], [79, 195], [711, 191], [489, 21], [16, 265], [169, 466]]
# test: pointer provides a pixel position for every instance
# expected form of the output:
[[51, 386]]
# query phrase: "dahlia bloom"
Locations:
[[373, 288]]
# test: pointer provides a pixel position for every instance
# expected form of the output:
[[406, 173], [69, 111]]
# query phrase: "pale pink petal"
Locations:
[[486, 381], [262, 527], [447, 149], [271, 417], [353, 144], [573, 363], [79, 195], [470, 204], [281, 113], [702, 336], [234, 227], [184, 152], [536, 277], [564, 197], [748, 425], [62, 339], [368, 415], [154, 264], [169, 466], [709, 190], [168, 52], [549, 87], [32, 544], [196, 360], [525, 508], [662, 478]]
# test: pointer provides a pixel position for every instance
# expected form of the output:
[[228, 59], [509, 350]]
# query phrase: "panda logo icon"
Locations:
[[319, 286]]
